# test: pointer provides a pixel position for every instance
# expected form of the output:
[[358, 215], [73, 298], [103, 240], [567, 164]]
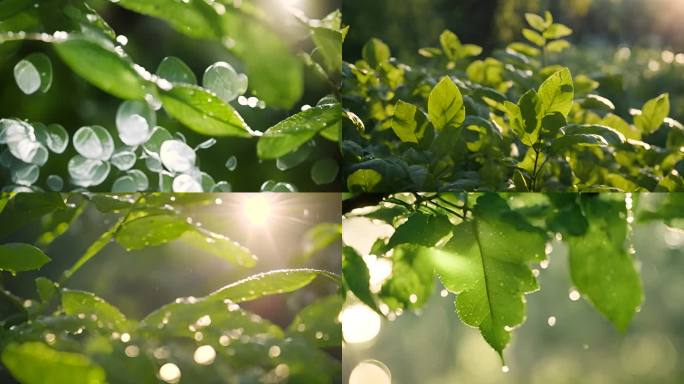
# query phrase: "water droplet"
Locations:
[[175, 70], [58, 138], [87, 172], [222, 79], [177, 156], [574, 295], [125, 337], [94, 142], [370, 371], [186, 184], [121, 39], [134, 121], [360, 324], [124, 184], [222, 186], [25, 174], [170, 373], [232, 163], [132, 351], [141, 181], [204, 355], [505, 369], [274, 352], [27, 77], [551, 321], [123, 159], [55, 183]]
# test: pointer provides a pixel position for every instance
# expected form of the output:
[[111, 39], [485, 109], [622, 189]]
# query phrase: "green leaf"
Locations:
[[412, 280], [103, 67], [19, 257], [375, 52], [600, 266], [537, 22], [408, 123], [48, 366], [23, 208], [203, 112], [557, 31], [610, 135], [534, 37], [445, 105], [487, 264], [531, 113], [557, 92], [329, 44], [80, 303], [220, 246], [175, 70], [152, 230], [251, 288], [291, 133], [617, 123], [421, 228], [569, 142], [363, 180], [318, 323], [320, 237], [653, 114], [46, 288], [356, 277], [557, 46]]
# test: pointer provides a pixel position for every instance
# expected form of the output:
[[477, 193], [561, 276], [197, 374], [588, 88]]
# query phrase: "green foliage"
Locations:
[[518, 120], [248, 33], [77, 337], [489, 249]]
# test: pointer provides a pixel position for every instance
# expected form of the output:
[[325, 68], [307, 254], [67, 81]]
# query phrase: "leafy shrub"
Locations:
[[75, 336], [140, 149], [518, 120], [490, 248]]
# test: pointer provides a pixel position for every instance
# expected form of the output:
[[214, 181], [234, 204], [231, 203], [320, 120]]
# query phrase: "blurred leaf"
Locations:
[[19, 257], [23, 208], [356, 277], [600, 266], [412, 279], [220, 246], [102, 66], [318, 323], [318, 238], [375, 52], [363, 180], [46, 288], [80, 303], [49, 366]]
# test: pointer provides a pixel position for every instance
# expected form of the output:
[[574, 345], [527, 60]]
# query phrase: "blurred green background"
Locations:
[[73, 103], [434, 347], [633, 47]]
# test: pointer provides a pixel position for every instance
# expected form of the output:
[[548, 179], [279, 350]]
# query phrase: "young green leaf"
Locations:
[[49, 366], [537, 22], [487, 264], [445, 105], [601, 268], [653, 114], [329, 44], [46, 288], [291, 133], [203, 112], [557, 92], [152, 230], [220, 246], [19, 257], [412, 280]]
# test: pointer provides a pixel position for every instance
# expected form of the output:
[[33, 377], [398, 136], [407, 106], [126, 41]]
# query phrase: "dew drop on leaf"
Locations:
[[94, 142], [86, 172], [175, 70], [324, 171], [153, 144], [123, 159], [177, 156], [170, 373], [204, 355], [153, 164]]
